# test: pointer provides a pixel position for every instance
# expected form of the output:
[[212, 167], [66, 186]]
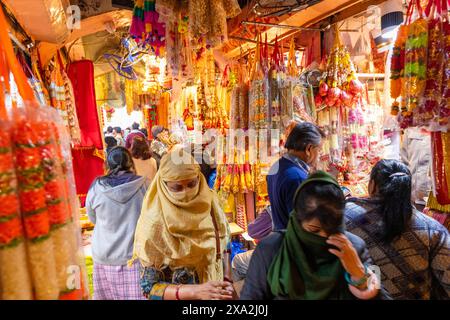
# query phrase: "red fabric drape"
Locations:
[[88, 155], [81, 73], [441, 156]]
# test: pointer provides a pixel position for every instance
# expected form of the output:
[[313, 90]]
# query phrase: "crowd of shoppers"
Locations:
[[161, 234]]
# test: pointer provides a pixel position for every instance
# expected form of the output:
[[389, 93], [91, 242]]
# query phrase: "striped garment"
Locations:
[[416, 265], [117, 282]]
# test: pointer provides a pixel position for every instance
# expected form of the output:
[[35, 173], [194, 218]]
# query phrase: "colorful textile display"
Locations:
[[440, 143], [87, 154], [145, 26]]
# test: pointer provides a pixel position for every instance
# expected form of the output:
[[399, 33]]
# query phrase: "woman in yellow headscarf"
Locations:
[[182, 235]]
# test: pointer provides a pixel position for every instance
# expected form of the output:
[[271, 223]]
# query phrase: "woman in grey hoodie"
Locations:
[[113, 204]]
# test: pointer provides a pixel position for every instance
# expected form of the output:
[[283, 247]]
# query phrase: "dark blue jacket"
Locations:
[[283, 180]]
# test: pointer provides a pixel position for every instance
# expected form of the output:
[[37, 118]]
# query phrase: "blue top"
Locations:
[[285, 176]]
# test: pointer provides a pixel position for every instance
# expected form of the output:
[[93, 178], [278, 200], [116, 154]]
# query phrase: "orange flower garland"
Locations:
[[14, 275], [31, 179], [10, 227], [28, 137]]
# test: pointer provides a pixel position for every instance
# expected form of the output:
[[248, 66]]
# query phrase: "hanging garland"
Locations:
[[145, 26]]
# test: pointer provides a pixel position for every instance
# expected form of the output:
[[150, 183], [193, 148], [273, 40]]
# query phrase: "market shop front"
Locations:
[[228, 87]]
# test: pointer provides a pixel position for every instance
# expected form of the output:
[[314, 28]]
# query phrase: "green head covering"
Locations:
[[304, 269]]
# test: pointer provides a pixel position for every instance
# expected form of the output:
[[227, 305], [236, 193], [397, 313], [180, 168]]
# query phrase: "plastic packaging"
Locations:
[[15, 283], [42, 204]]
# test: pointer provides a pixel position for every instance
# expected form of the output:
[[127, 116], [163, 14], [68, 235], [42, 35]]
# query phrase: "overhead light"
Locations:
[[381, 43], [391, 18], [390, 34]]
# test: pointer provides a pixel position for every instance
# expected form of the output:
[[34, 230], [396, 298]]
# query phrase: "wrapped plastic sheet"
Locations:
[[40, 207]]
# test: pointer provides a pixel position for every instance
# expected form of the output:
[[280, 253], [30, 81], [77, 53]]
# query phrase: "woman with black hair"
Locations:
[[314, 258], [110, 142], [114, 204], [411, 249]]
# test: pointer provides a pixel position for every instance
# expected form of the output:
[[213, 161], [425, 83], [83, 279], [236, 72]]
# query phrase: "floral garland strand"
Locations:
[[415, 69], [14, 273], [57, 203], [33, 204]]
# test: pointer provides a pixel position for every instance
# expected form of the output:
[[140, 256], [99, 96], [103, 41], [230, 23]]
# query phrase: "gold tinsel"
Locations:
[[129, 95], [435, 205]]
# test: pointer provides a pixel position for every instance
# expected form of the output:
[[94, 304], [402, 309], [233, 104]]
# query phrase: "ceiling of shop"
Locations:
[[326, 9], [45, 21]]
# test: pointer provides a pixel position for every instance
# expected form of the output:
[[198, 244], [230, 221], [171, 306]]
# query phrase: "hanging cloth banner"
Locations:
[[440, 143], [88, 154]]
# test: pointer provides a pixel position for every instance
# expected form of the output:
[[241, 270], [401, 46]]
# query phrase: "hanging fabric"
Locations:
[[87, 154]]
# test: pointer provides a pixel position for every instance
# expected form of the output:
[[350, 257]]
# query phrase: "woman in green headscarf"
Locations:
[[314, 258]]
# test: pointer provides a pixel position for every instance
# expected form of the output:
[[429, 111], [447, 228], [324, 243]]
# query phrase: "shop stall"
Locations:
[[228, 79]]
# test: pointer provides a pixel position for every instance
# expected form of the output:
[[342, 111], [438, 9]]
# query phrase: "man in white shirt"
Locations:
[[416, 154], [118, 135]]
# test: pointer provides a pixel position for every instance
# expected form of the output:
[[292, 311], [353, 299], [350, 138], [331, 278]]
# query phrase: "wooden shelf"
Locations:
[[235, 229]]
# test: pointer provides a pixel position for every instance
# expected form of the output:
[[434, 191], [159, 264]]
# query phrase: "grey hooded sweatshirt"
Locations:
[[115, 212]]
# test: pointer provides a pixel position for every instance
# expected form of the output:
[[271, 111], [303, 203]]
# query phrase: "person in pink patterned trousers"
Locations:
[[114, 204]]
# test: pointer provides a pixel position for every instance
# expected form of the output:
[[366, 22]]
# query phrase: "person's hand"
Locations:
[[373, 286], [214, 290], [231, 287], [347, 255]]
